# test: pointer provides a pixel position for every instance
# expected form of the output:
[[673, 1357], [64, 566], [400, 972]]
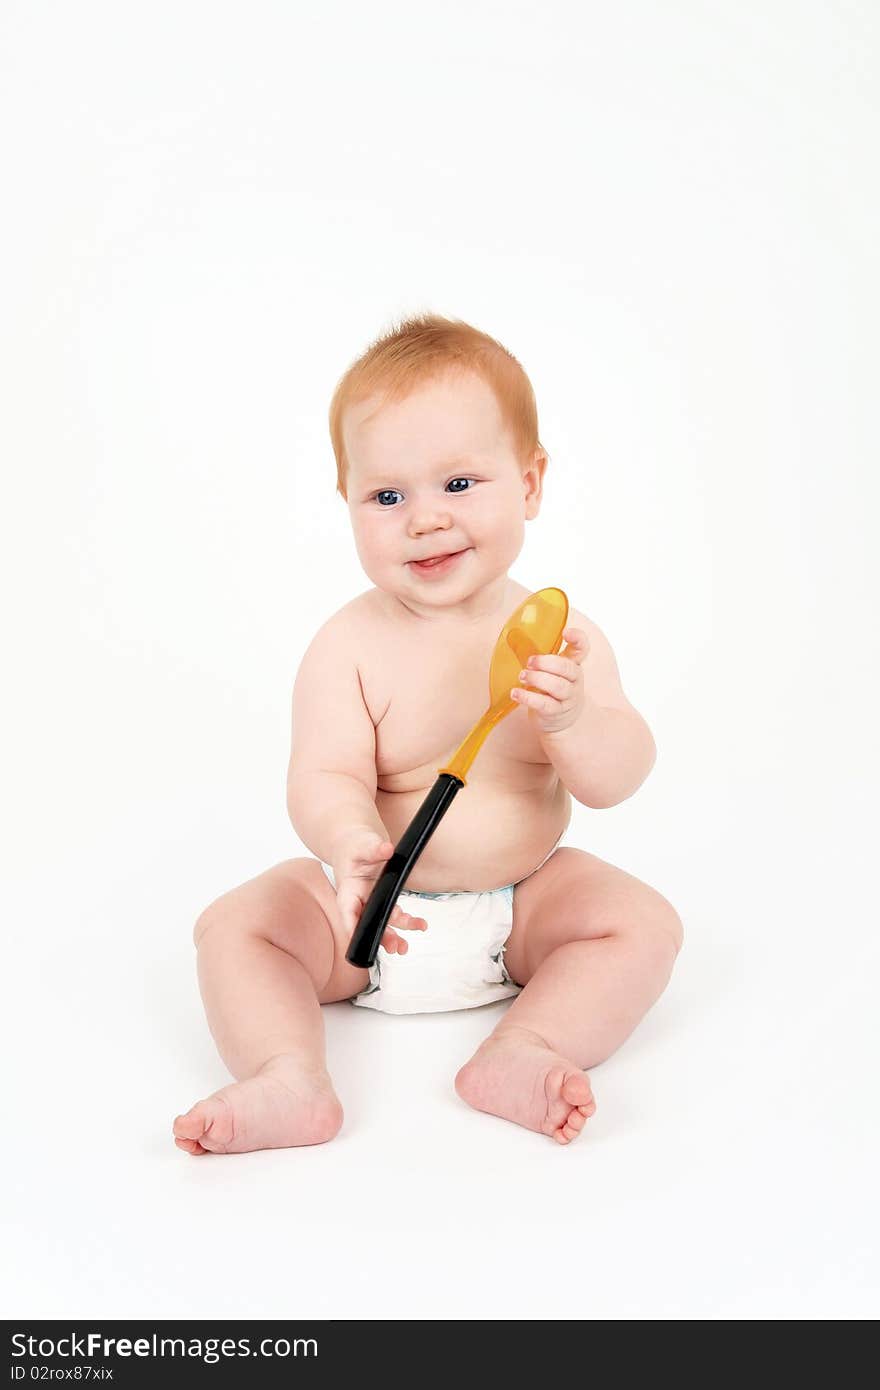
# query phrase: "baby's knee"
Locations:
[[204, 921], [667, 924], [222, 914], [280, 907], [657, 929]]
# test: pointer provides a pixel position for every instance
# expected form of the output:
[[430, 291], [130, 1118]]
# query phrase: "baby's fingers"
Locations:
[[365, 862], [405, 921], [394, 944], [350, 909]]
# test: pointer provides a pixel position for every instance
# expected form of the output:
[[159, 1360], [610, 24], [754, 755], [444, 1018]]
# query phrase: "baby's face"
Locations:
[[434, 474]]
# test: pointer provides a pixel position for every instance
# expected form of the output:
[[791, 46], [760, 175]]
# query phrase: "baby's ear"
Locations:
[[540, 459]]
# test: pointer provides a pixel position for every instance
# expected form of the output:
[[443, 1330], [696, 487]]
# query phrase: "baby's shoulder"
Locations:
[[362, 634], [342, 627], [352, 633]]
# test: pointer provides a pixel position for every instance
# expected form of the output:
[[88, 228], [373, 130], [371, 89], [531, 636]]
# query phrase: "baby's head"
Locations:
[[435, 432]]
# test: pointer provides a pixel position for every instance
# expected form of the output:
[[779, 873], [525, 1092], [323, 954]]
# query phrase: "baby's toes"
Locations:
[[578, 1117], [187, 1128], [576, 1090], [570, 1103], [208, 1125], [190, 1146], [573, 1125]]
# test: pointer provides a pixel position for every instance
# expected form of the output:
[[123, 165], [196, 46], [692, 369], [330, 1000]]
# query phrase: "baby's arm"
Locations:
[[331, 779], [608, 752]]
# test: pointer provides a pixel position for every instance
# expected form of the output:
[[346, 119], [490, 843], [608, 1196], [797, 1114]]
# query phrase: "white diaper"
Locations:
[[457, 963]]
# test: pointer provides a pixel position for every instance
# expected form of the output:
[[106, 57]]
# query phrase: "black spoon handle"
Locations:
[[380, 904]]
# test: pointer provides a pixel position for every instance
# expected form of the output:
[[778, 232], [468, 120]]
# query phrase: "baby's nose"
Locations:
[[429, 514]]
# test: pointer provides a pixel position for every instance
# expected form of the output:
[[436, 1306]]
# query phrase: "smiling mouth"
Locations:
[[435, 559]]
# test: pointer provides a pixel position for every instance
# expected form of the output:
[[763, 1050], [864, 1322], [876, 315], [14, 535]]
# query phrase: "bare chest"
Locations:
[[425, 691]]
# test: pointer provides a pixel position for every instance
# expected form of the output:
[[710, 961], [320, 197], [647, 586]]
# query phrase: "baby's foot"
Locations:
[[515, 1074], [279, 1107]]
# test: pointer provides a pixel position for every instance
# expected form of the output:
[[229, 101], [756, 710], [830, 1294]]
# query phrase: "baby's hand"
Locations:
[[359, 857], [554, 695]]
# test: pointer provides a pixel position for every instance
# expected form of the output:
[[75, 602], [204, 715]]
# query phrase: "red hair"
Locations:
[[422, 348]]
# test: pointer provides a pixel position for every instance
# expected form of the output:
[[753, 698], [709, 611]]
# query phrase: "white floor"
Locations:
[[728, 1172]]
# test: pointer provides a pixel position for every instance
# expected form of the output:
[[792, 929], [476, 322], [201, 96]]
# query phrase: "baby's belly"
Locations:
[[490, 836]]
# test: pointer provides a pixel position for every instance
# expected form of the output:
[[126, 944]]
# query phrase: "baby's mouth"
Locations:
[[437, 559]]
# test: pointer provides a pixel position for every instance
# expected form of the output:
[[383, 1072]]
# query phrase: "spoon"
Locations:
[[534, 629]]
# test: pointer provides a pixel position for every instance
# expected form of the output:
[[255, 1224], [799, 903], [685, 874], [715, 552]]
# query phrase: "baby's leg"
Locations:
[[594, 948], [269, 954]]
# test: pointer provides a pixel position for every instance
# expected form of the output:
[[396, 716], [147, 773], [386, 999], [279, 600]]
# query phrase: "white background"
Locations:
[[670, 214]]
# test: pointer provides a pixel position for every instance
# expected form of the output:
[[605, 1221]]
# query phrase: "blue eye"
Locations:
[[389, 491]]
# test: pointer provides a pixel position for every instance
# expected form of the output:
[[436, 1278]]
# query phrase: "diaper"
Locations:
[[456, 963]]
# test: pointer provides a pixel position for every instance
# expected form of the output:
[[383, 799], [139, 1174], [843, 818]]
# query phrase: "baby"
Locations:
[[435, 434]]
